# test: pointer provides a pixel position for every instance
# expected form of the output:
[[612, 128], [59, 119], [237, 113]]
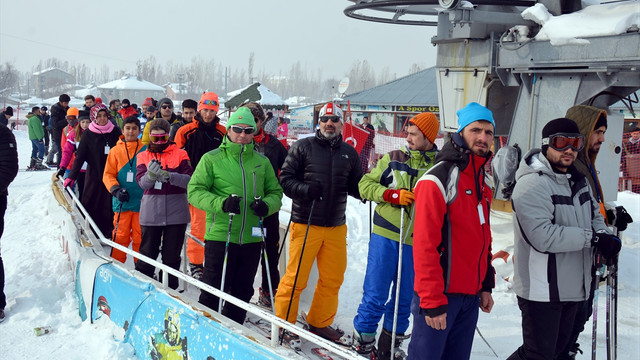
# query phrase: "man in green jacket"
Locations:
[[36, 135], [391, 184], [235, 186]]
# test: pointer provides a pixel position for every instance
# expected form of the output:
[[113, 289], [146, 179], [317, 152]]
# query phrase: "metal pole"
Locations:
[[399, 279]]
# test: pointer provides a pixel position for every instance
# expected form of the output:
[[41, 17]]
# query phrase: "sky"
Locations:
[[280, 33]]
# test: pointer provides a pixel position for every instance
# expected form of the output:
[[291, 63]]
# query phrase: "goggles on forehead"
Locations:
[[159, 138], [334, 119], [210, 102], [563, 141], [239, 129]]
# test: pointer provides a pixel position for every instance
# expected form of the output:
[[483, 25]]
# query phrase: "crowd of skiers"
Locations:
[[430, 248]]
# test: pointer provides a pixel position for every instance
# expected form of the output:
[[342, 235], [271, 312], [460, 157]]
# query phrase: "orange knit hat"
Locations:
[[209, 101], [428, 124], [73, 111]]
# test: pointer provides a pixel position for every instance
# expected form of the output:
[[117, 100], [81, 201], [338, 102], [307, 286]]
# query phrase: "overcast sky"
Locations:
[[118, 33]]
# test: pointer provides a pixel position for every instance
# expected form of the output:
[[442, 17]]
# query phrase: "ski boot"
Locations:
[[331, 334], [291, 340], [196, 271], [32, 164], [40, 166], [264, 298], [384, 347], [363, 343]]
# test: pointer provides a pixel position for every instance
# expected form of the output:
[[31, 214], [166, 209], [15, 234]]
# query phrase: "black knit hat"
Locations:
[[8, 111], [602, 121], [83, 114], [560, 125]]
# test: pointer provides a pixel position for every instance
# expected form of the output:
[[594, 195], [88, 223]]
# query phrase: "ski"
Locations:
[[264, 328], [321, 353], [344, 340]]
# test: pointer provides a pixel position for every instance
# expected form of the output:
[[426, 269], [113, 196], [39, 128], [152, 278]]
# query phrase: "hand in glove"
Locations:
[[400, 197], [231, 204], [153, 170], [164, 176], [619, 217], [69, 182], [608, 245], [121, 194], [314, 191], [259, 208], [61, 171]]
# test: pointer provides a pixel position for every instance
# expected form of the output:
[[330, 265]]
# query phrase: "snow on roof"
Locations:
[[595, 20], [81, 93], [49, 69], [131, 83], [269, 97]]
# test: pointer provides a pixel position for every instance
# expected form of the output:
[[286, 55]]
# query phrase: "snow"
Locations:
[[131, 83], [595, 20], [40, 289], [267, 97]]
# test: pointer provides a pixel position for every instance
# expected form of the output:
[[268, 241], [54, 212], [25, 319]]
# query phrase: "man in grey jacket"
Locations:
[[558, 232]]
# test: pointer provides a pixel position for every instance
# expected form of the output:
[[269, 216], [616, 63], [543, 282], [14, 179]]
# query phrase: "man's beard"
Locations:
[[329, 135]]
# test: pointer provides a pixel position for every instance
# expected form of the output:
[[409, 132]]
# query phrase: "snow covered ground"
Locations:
[[40, 289]]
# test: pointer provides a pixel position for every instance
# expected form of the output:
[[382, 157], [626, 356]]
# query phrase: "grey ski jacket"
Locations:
[[555, 217]]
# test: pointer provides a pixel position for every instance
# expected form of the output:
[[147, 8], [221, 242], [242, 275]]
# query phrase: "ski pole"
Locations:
[[594, 329], [286, 231], [485, 341], [264, 248], [295, 280], [226, 255], [115, 231], [395, 306]]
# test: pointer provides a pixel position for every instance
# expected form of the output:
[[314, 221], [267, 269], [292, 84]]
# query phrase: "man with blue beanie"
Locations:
[[452, 242]]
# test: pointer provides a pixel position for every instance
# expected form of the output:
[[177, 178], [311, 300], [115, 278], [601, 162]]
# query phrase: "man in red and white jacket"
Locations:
[[452, 242]]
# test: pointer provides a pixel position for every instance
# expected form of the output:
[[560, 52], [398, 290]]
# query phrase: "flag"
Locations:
[[354, 136]]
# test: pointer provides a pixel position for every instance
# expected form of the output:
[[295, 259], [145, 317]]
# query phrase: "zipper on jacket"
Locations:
[[244, 193]]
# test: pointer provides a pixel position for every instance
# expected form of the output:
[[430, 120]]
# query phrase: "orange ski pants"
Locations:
[[128, 232], [195, 251], [329, 246]]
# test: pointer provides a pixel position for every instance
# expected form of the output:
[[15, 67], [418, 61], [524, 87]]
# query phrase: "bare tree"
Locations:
[[8, 78], [146, 68], [252, 60]]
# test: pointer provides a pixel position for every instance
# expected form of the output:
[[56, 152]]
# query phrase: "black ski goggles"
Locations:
[[334, 119], [239, 129], [562, 141]]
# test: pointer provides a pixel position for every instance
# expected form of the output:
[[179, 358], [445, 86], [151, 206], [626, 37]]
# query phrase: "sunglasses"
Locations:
[[71, 117], [159, 138], [167, 107], [333, 119], [210, 102], [239, 129], [561, 142]]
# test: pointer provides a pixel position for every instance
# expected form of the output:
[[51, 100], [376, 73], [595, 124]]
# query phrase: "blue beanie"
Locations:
[[474, 112]]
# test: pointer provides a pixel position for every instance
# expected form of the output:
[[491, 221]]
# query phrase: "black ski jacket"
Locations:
[[58, 121], [333, 164], [8, 159]]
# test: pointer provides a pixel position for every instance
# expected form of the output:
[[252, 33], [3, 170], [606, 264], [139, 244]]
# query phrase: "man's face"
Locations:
[[115, 106], [188, 114], [130, 132], [208, 115], [416, 139], [242, 137], [478, 136], [89, 103], [65, 104], [365, 120], [596, 139], [561, 160], [330, 126], [150, 114], [166, 110], [144, 108], [635, 135]]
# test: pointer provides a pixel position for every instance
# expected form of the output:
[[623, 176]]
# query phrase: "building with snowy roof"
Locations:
[[130, 87], [390, 105], [259, 93], [52, 81]]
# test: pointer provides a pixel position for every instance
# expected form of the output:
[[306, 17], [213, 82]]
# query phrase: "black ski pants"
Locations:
[[271, 225], [166, 240], [546, 328], [3, 209], [242, 265]]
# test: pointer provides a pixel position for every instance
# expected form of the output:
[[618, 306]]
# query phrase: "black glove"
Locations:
[[608, 245], [121, 194], [61, 171], [620, 218], [259, 208], [314, 191], [231, 204]]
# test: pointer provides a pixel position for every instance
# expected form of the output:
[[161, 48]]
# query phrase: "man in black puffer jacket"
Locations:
[[58, 123], [8, 172], [318, 174]]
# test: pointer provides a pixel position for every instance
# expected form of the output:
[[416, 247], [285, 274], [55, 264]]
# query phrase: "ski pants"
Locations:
[[195, 251], [546, 328], [128, 225], [242, 265], [37, 149], [3, 209], [452, 343], [166, 240], [582, 316], [56, 149], [329, 246], [382, 273], [271, 226]]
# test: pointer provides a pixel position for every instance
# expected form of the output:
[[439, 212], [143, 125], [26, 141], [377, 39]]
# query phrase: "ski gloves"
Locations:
[[314, 191], [121, 194], [400, 197], [608, 245], [69, 182], [156, 173], [259, 207], [231, 204], [61, 171], [619, 217]]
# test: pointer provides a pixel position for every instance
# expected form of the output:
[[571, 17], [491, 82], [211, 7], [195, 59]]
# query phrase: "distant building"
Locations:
[[132, 88], [259, 93], [52, 81], [178, 91]]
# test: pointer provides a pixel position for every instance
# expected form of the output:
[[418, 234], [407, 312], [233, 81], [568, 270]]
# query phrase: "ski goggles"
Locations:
[[239, 129], [334, 119], [159, 138], [209, 102], [562, 141]]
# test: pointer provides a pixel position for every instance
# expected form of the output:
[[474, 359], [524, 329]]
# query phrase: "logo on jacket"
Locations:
[[468, 192], [345, 156]]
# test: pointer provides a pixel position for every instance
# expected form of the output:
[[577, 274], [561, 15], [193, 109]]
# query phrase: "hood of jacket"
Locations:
[[534, 162]]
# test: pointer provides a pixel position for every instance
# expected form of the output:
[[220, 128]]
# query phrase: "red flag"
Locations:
[[354, 136]]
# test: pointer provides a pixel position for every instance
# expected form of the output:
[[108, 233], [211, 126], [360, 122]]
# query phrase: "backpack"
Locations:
[[504, 165]]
